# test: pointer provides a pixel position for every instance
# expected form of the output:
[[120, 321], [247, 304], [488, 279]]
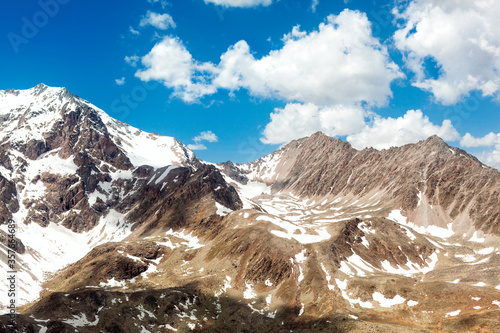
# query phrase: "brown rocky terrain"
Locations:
[[452, 183]]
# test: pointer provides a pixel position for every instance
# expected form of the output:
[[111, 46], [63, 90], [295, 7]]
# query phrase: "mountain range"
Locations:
[[119, 230]]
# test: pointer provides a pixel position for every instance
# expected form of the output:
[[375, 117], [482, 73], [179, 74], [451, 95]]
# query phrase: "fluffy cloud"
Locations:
[[240, 3], [300, 120], [197, 146], [170, 63], [208, 136], [461, 36], [120, 82], [384, 133], [341, 63], [487, 141], [132, 60], [490, 157], [159, 21]]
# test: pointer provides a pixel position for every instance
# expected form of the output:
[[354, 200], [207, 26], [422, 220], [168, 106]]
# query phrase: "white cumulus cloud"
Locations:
[[299, 120], [384, 133], [488, 140], [197, 146], [159, 21], [240, 3], [461, 36], [341, 63], [170, 63], [491, 156], [206, 136]]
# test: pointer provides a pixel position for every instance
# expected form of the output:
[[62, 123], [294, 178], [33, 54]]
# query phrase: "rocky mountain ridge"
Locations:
[[431, 182], [67, 165], [317, 236]]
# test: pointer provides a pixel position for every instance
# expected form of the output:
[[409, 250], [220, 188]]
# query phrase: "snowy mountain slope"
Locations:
[[30, 114], [66, 167]]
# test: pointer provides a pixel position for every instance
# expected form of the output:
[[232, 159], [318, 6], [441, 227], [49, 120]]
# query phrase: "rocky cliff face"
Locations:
[[317, 236], [66, 165], [431, 182]]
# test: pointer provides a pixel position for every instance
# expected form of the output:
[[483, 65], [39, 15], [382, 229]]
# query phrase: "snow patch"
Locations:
[[387, 302], [453, 313]]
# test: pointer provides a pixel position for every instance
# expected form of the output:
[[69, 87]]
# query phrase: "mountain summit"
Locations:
[[113, 222]]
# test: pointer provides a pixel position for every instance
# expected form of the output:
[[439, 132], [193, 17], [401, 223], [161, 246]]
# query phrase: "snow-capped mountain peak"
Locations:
[[42, 112]]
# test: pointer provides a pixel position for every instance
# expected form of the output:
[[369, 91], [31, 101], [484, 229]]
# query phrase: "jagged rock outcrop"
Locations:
[[456, 183]]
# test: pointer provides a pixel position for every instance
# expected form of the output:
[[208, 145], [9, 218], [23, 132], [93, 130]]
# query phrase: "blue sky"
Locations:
[[242, 77]]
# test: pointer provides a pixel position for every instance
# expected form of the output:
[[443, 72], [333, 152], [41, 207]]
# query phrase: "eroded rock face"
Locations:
[[387, 241], [17, 245], [446, 177], [57, 151], [8, 199], [111, 261], [182, 199], [82, 130]]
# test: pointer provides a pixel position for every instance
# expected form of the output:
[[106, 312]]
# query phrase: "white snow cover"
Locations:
[[475, 238], [432, 230], [387, 302], [299, 259], [264, 169], [144, 148], [253, 189], [37, 105], [342, 285], [190, 241], [249, 293], [41, 106], [304, 238], [453, 313], [165, 173], [328, 277], [227, 285], [81, 320], [486, 251], [419, 198], [412, 268], [54, 247], [412, 303], [51, 248], [113, 283], [222, 210]]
